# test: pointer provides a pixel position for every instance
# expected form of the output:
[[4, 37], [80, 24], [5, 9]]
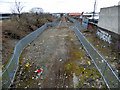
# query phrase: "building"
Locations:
[[74, 14], [5, 16], [108, 24]]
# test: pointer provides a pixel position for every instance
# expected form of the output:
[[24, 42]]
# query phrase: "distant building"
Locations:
[[74, 14], [56, 14], [91, 18], [5, 16], [109, 19]]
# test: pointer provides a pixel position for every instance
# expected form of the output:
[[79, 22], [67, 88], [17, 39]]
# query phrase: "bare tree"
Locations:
[[18, 8]]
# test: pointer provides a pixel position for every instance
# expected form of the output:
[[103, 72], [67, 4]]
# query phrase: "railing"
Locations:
[[54, 23], [78, 24], [85, 23], [10, 70], [110, 77]]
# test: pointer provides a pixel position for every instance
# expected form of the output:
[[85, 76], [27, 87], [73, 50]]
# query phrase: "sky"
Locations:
[[57, 6]]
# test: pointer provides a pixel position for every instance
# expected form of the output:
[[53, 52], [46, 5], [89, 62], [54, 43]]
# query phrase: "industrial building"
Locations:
[[108, 24]]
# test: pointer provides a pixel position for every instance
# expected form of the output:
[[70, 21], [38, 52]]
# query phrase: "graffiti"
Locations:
[[104, 36], [118, 45]]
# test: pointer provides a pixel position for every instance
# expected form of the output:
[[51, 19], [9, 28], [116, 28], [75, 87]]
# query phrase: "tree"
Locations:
[[36, 10], [18, 8]]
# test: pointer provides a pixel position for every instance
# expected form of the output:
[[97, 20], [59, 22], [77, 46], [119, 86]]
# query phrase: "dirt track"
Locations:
[[65, 63]]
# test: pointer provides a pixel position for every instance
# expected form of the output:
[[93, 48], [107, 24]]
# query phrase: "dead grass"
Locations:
[[78, 63], [17, 28], [107, 50]]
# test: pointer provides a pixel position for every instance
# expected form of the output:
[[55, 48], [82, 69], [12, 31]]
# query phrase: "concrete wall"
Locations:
[[109, 19]]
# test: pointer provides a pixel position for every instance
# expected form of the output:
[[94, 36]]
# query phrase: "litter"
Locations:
[[108, 69], [83, 71], [60, 60], [97, 80], [33, 44], [43, 41], [104, 46], [106, 56], [51, 79], [102, 61], [84, 68], [91, 75], [71, 39], [32, 77], [39, 83], [27, 65], [39, 71], [79, 88], [3, 67], [117, 71], [41, 78], [66, 86], [89, 62], [36, 77], [100, 86], [20, 72]]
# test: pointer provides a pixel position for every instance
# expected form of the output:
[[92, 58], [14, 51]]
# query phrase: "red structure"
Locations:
[[74, 14]]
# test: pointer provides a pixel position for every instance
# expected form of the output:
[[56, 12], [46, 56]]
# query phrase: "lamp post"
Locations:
[[94, 10]]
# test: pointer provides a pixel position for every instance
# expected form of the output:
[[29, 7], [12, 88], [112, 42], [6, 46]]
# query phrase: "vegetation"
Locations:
[[18, 27]]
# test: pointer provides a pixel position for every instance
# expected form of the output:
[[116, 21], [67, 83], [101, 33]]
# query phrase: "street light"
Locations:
[[94, 10]]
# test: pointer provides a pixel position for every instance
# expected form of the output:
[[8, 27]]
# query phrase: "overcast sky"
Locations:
[[54, 6]]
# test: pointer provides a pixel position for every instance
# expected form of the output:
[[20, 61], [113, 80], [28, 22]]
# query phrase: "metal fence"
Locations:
[[54, 23], [85, 23], [78, 24], [10, 70], [109, 75]]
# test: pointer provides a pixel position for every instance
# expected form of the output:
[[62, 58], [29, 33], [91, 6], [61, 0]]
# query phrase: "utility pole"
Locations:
[[94, 10]]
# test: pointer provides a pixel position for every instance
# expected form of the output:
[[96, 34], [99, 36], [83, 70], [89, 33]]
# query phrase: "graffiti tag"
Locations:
[[104, 36]]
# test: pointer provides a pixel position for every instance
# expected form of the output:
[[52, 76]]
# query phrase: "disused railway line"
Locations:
[[86, 45]]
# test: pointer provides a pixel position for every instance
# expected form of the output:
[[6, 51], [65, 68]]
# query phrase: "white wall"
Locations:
[[109, 19]]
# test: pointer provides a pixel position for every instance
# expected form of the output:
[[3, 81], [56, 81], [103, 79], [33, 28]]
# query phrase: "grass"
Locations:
[[107, 50], [18, 28], [62, 27], [5, 64], [104, 51]]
